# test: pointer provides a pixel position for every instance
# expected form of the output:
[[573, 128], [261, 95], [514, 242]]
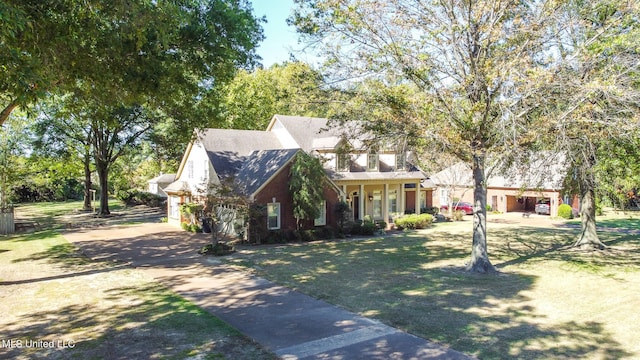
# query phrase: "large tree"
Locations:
[[161, 53], [292, 88], [127, 60], [64, 130], [473, 59], [307, 181], [594, 92]]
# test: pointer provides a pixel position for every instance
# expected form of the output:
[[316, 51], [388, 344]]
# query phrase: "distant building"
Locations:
[[158, 183]]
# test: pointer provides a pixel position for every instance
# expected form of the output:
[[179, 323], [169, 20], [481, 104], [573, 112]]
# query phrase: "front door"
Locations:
[[356, 207]]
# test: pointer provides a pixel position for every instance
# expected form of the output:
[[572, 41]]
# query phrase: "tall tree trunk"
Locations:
[[479, 256], [587, 183], [103, 174], [87, 180], [588, 235]]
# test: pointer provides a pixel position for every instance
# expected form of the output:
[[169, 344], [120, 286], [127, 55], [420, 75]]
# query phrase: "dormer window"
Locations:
[[343, 162], [372, 161]]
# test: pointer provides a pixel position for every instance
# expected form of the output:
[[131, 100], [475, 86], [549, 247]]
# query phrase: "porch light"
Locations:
[[370, 197]]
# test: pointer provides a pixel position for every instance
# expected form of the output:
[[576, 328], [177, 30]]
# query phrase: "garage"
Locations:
[[521, 203]]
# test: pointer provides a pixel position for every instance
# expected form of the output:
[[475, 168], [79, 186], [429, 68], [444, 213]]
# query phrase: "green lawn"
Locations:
[[48, 214], [616, 219], [50, 292], [548, 301]]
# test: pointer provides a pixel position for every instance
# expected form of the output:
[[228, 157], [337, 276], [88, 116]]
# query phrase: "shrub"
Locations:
[[218, 249], [136, 197], [457, 215], [194, 228], [324, 233], [278, 237], [414, 221], [430, 210], [368, 228], [599, 208], [565, 211]]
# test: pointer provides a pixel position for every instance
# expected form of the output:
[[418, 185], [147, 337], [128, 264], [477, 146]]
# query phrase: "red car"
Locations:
[[465, 207]]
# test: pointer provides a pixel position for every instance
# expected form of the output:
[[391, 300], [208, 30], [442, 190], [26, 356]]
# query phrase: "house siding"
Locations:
[[278, 189], [507, 199]]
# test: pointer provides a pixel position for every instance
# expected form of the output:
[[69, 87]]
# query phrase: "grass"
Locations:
[[49, 214], [548, 301], [617, 219], [50, 292]]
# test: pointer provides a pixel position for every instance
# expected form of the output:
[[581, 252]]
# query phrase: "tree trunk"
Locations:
[[4, 115], [588, 235], [103, 175], [87, 181], [479, 257]]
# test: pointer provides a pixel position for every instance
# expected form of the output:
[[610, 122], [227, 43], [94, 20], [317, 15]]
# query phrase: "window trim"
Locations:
[[342, 162], [392, 199], [277, 216], [174, 207], [377, 204], [322, 219], [373, 155]]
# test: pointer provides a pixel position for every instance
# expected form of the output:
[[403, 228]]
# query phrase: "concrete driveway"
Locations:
[[288, 323]]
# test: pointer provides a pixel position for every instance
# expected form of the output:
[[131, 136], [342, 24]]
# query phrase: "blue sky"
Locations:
[[280, 39]]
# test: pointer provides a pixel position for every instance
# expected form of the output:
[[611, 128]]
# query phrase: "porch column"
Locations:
[[418, 197], [361, 200], [385, 203], [343, 196], [401, 203]]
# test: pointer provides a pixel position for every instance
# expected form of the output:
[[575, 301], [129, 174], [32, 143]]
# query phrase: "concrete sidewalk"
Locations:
[[290, 324]]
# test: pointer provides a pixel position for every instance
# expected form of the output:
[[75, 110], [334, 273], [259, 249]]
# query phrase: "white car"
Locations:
[[543, 207]]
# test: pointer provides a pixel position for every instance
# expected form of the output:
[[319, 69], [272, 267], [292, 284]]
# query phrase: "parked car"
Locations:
[[543, 207], [465, 207]]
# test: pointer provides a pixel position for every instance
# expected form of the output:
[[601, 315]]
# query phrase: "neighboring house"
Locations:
[[514, 190], [379, 182], [158, 183]]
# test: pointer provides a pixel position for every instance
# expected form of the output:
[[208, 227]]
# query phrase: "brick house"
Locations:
[[511, 190], [378, 180]]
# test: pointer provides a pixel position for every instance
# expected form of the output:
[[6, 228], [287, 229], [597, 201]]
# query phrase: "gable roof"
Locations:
[[242, 142], [228, 149], [545, 171], [163, 179], [312, 133], [261, 166]]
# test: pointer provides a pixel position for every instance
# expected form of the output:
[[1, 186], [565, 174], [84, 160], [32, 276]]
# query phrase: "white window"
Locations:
[[393, 202], [322, 218], [273, 216], [372, 161], [190, 169], [343, 162], [174, 207], [444, 197], [377, 204]]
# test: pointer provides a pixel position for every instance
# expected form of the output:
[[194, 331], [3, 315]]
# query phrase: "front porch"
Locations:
[[384, 201]]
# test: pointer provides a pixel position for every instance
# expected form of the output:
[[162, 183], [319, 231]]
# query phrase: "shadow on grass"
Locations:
[[409, 282], [140, 323], [531, 245]]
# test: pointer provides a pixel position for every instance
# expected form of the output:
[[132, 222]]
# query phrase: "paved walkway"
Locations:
[[289, 323]]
